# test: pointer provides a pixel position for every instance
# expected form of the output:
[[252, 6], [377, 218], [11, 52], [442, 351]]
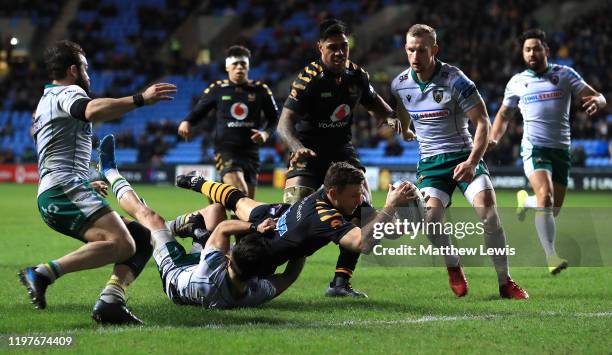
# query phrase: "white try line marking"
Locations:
[[363, 322]]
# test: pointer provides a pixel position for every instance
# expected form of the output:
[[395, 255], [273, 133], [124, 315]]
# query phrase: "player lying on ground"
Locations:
[[216, 277], [314, 221], [440, 100], [543, 94], [62, 128]]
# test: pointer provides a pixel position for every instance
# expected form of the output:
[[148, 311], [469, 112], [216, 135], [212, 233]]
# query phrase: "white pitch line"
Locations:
[[364, 322]]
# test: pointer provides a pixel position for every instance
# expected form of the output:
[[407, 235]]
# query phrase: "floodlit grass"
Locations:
[[409, 309]]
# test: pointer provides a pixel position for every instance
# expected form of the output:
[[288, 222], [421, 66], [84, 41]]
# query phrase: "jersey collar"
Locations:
[[532, 72], [48, 86], [423, 84]]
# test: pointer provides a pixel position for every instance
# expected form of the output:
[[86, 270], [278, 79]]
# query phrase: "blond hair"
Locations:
[[420, 30]]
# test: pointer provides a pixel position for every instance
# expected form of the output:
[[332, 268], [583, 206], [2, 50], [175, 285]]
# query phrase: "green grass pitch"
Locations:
[[409, 309]]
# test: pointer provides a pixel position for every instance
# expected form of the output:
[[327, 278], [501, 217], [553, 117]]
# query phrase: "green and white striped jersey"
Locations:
[[63, 142], [544, 101]]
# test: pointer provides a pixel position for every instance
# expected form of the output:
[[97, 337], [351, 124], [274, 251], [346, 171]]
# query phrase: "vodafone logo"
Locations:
[[340, 113], [239, 111]]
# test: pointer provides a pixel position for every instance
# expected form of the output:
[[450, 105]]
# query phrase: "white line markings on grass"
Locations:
[[365, 322]]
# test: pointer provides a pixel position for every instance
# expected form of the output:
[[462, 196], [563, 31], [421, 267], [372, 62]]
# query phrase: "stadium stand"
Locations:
[[122, 40]]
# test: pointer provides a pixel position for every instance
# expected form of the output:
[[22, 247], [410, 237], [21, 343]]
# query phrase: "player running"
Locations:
[[315, 124], [543, 94], [239, 104], [66, 200], [311, 223], [440, 100], [215, 278]]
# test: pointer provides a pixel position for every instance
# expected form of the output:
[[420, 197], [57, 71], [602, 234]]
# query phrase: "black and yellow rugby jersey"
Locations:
[[239, 109], [326, 101]]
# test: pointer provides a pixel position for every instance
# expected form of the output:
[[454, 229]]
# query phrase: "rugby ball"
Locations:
[[414, 211]]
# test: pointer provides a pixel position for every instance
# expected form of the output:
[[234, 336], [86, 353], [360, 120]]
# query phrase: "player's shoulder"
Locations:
[[310, 72], [564, 70], [260, 86], [400, 79], [307, 76], [215, 85], [70, 90], [450, 72], [327, 213], [355, 68]]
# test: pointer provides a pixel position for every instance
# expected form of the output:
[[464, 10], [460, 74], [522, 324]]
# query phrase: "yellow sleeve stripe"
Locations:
[[310, 71], [325, 218], [317, 66], [304, 78]]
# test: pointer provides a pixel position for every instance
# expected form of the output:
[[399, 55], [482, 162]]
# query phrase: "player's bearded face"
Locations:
[[82, 79], [534, 54], [334, 52], [349, 199]]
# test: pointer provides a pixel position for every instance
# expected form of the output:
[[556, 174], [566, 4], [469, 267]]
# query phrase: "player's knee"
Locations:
[[545, 197], [491, 221], [124, 246], [295, 193]]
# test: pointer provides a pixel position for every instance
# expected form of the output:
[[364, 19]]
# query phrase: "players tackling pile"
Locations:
[[437, 97]]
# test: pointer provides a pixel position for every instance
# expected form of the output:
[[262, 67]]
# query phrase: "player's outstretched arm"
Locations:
[[282, 281], [105, 109], [363, 240], [504, 115]]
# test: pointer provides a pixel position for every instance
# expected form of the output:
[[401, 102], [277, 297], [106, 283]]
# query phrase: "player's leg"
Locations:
[[559, 191], [340, 284], [227, 195], [236, 178], [434, 179], [546, 228], [303, 178], [481, 195]]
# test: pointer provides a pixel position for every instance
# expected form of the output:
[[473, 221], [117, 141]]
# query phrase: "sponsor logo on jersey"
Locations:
[[403, 77], [226, 98], [340, 113], [408, 97], [425, 115], [239, 111], [543, 96], [326, 94], [438, 94], [251, 97], [240, 124]]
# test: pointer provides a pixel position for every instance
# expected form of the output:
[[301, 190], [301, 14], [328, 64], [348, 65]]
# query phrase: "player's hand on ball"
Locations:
[[267, 225], [101, 187], [401, 195], [464, 172], [301, 154], [184, 130], [259, 137], [593, 104], [158, 92]]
